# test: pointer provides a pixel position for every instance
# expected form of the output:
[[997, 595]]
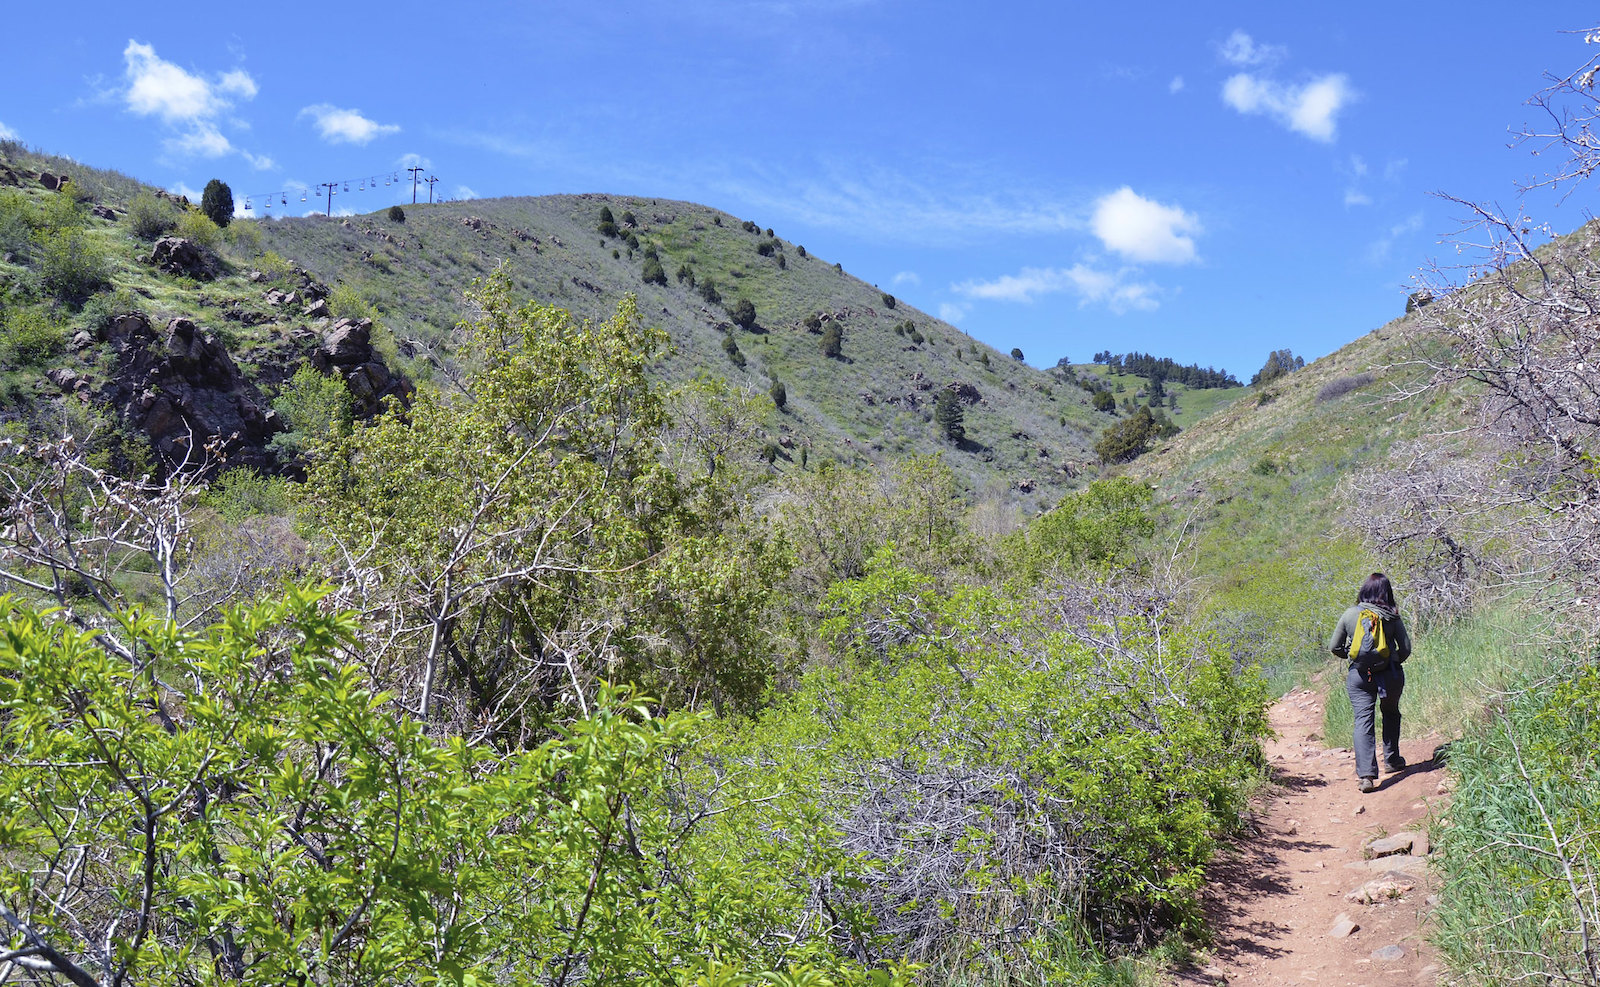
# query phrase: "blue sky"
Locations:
[[1203, 181]]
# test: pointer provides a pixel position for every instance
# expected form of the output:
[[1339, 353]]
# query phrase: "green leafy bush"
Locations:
[[735, 355], [149, 217], [832, 343], [71, 265], [653, 272], [31, 338], [743, 313], [949, 415], [396, 214], [315, 409], [779, 394], [198, 228]]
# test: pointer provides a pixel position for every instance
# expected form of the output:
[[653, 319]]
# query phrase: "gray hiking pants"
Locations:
[[1364, 700]]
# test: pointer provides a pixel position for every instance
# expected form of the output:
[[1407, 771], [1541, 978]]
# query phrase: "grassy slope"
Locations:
[[843, 408]]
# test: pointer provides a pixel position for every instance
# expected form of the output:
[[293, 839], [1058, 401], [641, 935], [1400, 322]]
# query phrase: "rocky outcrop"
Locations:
[[182, 390], [178, 256], [346, 349]]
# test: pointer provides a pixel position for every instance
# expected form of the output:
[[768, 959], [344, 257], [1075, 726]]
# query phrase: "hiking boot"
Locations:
[[1368, 785], [1394, 764]]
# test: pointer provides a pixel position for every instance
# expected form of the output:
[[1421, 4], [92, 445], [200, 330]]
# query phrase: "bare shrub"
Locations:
[[1343, 385]]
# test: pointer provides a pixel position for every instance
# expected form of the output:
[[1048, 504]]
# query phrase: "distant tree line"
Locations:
[[1165, 368]]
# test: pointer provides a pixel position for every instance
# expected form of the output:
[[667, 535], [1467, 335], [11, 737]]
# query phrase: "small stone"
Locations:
[[1335, 820], [1291, 827], [1360, 809], [1421, 847], [1388, 953], [1390, 845], [1343, 927]]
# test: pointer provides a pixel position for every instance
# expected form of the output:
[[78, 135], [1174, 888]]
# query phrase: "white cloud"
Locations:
[[204, 140], [185, 101], [1176, 85], [1117, 290], [179, 188], [906, 277], [1356, 197], [260, 162], [1310, 109], [1358, 165], [1394, 168], [1378, 251], [1240, 49], [158, 87], [462, 192], [239, 83], [346, 126], [1144, 230], [953, 312], [413, 161], [7, 134]]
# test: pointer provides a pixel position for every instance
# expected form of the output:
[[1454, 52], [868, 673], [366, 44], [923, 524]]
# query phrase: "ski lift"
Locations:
[[269, 203], [347, 186], [302, 195], [363, 186], [247, 204], [286, 198]]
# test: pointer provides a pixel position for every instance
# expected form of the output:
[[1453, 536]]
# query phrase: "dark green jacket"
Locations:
[[1393, 628]]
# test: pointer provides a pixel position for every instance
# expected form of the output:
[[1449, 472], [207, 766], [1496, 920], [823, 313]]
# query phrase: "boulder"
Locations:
[[52, 182], [178, 256], [316, 310], [964, 392], [105, 212], [182, 389]]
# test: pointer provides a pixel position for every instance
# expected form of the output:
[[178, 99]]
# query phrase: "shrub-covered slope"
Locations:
[[872, 401]]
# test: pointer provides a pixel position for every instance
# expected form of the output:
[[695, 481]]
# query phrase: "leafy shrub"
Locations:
[[1344, 385], [783, 263], [149, 217], [396, 214], [1098, 526], [779, 394], [71, 266], [242, 493], [731, 347], [1279, 363], [217, 202], [18, 218], [708, 291], [813, 322], [769, 452], [1128, 439], [832, 340], [653, 272], [743, 313], [917, 337], [1016, 353], [899, 328], [194, 226], [801, 250], [315, 408], [766, 248], [628, 218], [887, 299], [30, 338], [348, 301], [685, 275], [607, 225], [749, 227]]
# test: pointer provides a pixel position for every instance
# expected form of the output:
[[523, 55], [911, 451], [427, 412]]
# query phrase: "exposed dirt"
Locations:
[[1276, 898]]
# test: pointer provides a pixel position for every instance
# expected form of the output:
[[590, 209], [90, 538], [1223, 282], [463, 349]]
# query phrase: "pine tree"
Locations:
[[217, 202], [950, 416]]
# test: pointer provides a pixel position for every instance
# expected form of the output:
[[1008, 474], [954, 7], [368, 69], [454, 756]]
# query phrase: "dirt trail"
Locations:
[[1276, 899]]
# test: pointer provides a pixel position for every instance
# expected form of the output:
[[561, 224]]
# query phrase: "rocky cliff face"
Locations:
[[181, 388]]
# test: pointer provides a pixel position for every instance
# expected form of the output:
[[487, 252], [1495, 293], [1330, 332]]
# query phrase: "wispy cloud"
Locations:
[[342, 126], [7, 134], [1242, 50], [1176, 85], [1356, 197], [1380, 249], [1120, 291], [463, 192], [1311, 109], [906, 277], [184, 101], [1144, 230], [953, 312]]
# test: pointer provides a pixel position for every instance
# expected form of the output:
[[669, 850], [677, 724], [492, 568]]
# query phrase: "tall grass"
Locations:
[[1520, 851]]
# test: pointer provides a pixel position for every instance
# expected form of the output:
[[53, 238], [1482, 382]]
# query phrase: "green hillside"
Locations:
[[872, 402]]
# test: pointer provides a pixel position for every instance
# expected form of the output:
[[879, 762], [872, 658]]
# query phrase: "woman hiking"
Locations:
[[1373, 639]]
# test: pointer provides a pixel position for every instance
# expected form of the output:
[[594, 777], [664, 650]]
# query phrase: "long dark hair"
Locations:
[[1377, 589]]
